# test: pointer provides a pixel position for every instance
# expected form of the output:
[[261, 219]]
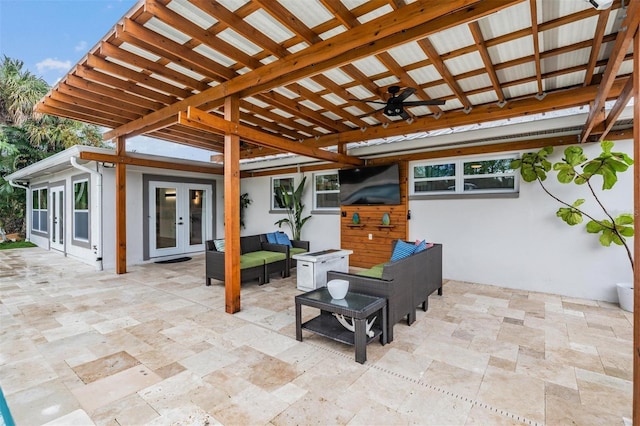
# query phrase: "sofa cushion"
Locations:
[[271, 238], [373, 272], [267, 256], [219, 244], [282, 238], [296, 250], [402, 250], [250, 262]]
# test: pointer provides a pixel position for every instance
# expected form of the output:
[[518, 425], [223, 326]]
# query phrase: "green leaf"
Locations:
[[569, 215], [626, 231], [606, 238], [624, 219], [594, 227], [574, 156], [607, 146], [566, 173]]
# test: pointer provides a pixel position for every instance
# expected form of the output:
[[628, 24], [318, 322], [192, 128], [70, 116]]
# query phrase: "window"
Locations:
[[81, 210], [286, 183], [464, 176], [326, 191], [39, 221]]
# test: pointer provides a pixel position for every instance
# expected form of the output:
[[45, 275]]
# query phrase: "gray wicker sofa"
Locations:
[[405, 283], [258, 260]]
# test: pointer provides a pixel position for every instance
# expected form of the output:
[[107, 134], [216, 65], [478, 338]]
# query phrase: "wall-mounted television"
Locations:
[[370, 185]]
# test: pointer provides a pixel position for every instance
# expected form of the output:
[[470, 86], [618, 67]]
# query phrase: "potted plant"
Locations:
[[575, 167], [292, 202]]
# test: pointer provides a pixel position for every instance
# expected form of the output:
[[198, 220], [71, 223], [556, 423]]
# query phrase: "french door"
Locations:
[[56, 217], [180, 217]]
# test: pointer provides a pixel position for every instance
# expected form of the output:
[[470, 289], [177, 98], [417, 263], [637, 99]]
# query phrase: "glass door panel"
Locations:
[[56, 211], [166, 213], [196, 209]]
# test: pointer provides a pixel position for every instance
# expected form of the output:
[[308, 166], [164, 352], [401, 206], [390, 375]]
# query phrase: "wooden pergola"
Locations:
[[269, 77]]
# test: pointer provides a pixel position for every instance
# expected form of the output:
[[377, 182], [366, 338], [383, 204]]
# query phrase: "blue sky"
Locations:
[[51, 36]]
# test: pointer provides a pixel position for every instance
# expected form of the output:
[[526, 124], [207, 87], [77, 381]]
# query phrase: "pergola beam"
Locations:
[[200, 119]]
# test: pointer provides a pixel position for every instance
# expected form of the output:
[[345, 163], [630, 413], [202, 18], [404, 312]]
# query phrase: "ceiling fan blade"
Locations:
[[369, 102], [422, 103], [406, 93], [404, 115], [370, 113]]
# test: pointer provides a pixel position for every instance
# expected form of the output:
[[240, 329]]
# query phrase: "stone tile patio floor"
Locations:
[[154, 346]]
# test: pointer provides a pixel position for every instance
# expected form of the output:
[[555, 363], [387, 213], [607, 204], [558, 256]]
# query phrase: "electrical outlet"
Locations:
[[371, 236]]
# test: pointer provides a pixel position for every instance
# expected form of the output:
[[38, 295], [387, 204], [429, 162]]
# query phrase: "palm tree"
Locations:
[[26, 137]]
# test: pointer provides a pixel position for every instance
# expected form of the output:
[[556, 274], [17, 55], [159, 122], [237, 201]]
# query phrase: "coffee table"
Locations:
[[358, 306]]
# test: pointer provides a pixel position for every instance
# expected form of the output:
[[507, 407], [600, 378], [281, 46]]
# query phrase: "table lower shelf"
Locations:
[[327, 325]]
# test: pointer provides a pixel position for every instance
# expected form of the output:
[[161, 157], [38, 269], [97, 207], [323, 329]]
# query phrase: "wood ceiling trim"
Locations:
[[112, 51], [320, 56], [196, 117], [140, 78], [490, 69], [129, 102], [624, 38], [235, 22], [297, 128], [201, 35], [292, 107], [533, 7], [89, 107], [483, 113], [75, 115], [132, 161], [124, 85], [175, 52], [596, 45], [442, 69], [282, 15], [620, 104]]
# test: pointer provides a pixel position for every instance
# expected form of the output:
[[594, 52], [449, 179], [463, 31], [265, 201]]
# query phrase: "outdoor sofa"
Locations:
[[295, 246], [258, 260], [405, 283]]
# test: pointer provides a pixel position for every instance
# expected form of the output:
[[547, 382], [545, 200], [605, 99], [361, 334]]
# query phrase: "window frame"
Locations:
[[39, 210], [317, 192], [86, 211], [460, 177], [273, 207]]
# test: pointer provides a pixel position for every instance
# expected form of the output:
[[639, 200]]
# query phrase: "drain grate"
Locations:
[[439, 389]]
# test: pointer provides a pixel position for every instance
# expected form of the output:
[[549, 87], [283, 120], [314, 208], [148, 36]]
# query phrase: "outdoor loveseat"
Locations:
[[405, 283], [257, 259]]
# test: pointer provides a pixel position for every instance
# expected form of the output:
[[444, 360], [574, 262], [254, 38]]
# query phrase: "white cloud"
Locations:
[[50, 64], [81, 46]]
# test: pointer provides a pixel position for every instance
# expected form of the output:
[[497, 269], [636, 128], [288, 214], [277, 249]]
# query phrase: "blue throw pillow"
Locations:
[[271, 237], [282, 238], [421, 246], [402, 250]]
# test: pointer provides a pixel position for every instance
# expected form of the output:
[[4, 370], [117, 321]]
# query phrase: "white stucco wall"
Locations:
[[511, 242], [322, 230], [520, 243]]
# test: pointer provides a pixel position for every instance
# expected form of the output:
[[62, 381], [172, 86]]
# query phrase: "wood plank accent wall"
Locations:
[[367, 253]]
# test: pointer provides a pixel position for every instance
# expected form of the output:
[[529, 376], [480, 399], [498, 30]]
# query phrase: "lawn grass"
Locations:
[[17, 244]]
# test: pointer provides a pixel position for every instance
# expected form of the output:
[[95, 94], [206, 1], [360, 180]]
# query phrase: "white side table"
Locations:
[[312, 268]]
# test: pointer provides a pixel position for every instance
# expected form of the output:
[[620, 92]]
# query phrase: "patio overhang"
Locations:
[[311, 77]]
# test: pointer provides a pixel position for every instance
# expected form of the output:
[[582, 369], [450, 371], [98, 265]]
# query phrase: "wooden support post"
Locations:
[[232, 209], [636, 240], [121, 209]]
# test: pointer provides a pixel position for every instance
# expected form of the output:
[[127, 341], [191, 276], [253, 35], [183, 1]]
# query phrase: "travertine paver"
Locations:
[[154, 346]]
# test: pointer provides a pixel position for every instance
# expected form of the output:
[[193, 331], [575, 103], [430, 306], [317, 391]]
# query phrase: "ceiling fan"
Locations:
[[394, 107]]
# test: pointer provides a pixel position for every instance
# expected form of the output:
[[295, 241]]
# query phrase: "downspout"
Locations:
[[98, 247], [27, 219]]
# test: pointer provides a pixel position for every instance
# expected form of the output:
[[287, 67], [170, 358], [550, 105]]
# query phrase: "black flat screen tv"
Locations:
[[370, 185]]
